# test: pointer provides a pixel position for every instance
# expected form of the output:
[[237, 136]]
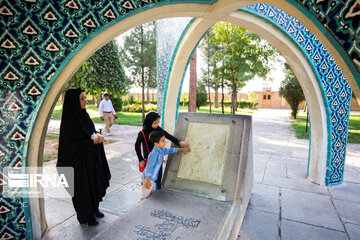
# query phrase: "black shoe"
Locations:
[[99, 214], [93, 223]]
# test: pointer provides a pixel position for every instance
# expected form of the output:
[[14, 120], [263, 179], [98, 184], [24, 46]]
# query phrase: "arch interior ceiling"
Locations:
[[37, 39]]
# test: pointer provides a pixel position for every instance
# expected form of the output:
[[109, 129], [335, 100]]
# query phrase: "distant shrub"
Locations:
[[117, 103], [125, 102], [131, 99], [245, 104], [138, 108]]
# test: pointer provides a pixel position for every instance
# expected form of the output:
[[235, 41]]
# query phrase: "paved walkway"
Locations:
[[283, 205]]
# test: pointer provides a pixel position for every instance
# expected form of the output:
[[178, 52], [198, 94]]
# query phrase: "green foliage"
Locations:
[[245, 104], [125, 102], [291, 90], [117, 103], [138, 108], [354, 129], [201, 95], [254, 99], [103, 71], [139, 55], [208, 50], [240, 57], [131, 99]]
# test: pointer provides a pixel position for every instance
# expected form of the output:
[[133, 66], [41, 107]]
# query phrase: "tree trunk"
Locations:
[[143, 96], [216, 98], [208, 72], [222, 97], [233, 97], [192, 84], [147, 95], [142, 74], [99, 100], [209, 98]]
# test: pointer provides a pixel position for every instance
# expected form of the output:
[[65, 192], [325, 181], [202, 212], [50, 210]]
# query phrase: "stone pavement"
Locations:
[[283, 205]]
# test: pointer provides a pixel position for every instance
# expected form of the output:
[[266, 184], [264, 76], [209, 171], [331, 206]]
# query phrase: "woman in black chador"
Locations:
[[81, 147], [151, 123]]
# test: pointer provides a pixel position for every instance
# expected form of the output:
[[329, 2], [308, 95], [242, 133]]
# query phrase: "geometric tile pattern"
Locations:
[[38, 37], [342, 19], [335, 88], [168, 32]]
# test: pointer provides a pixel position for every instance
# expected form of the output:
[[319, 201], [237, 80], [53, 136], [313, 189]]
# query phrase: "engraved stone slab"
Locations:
[[205, 162], [220, 149], [170, 215]]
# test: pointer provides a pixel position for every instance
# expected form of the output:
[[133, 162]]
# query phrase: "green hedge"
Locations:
[[138, 102], [138, 108]]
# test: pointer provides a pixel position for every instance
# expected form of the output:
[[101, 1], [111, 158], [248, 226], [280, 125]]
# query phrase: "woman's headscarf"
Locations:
[[150, 117]]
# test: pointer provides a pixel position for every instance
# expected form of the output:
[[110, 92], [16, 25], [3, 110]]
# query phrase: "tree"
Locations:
[[220, 76], [151, 81], [139, 54], [291, 90], [208, 49], [244, 55], [254, 99], [103, 71], [201, 95]]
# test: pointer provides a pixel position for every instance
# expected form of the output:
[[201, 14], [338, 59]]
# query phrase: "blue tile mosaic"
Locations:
[[38, 37]]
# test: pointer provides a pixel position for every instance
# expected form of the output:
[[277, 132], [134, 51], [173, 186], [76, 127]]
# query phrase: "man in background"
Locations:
[[107, 113]]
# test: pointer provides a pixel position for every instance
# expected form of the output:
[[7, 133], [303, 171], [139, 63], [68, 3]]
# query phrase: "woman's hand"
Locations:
[[184, 144], [99, 139], [142, 163]]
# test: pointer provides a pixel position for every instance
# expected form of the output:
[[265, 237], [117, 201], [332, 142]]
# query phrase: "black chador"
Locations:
[[77, 150]]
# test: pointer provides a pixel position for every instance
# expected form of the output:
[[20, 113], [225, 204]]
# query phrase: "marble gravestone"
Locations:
[[219, 165], [205, 192]]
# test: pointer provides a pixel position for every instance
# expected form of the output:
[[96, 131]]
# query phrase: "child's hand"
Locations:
[[147, 183], [185, 150], [142, 163]]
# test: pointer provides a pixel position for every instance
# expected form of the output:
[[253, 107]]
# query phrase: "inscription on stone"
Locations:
[[205, 162], [165, 229]]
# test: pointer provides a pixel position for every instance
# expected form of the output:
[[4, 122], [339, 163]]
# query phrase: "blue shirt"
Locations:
[[155, 159]]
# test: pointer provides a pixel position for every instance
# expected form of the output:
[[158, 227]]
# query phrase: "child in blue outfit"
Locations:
[[155, 160]]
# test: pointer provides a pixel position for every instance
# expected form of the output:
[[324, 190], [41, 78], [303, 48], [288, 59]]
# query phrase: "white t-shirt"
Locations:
[[106, 106]]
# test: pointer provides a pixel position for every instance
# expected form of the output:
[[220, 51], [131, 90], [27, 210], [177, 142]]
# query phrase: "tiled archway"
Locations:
[[42, 43]]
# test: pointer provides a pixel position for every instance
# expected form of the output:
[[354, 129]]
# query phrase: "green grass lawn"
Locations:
[[299, 126], [131, 118]]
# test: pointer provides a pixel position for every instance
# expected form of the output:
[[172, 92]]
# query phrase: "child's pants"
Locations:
[[146, 192]]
